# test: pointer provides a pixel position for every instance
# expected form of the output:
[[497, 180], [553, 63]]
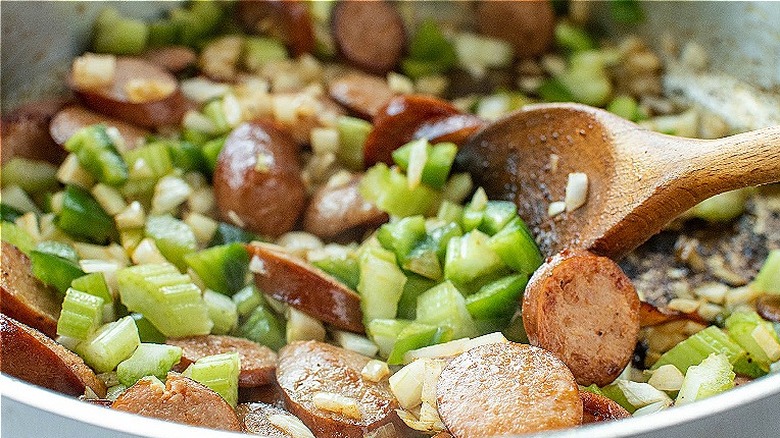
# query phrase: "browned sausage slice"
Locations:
[[369, 34], [287, 20], [23, 297], [338, 209], [307, 370], [181, 400], [29, 355], [768, 306], [308, 289], [270, 394], [172, 58], [254, 417], [650, 315], [258, 362], [164, 107], [25, 132], [507, 389], [583, 309], [361, 93], [597, 408], [397, 122], [257, 181], [527, 25], [72, 118], [456, 128]]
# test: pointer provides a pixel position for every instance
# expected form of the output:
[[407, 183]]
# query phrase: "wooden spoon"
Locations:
[[638, 180]]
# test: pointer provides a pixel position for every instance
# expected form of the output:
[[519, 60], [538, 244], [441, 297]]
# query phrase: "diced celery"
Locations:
[[497, 299], [381, 284], [516, 248], [211, 150], [429, 52], [186, 156], [415, 285], [414, 336], [222, 268], [572, 38], [222, 311], [613, 392], [173, 238], [470, 257], [425, 262], [756, 336], [81, 314], [263, 327], [474, 212], [218, 372], [344, 269], [437, 166], [146, 165], [98, 154], [352, 133], [496, 216], [146, 330], [55, 264], [246, 300], [401, 236], [215, 111], [197, 22], [227, 233], [169, 300], [723, 207], [712, 376], [443, 305], [389, 190], [439, 237], [698, 347], [450, 212], [552, 90], [11, 233], [768, 278], [259, 51], [384, 333], [112, 343], [93, 284], [626, 11], [163, 33], [119, 35], [626, 107], [148, 360], [81, 216], [586, 78], [33, 176]]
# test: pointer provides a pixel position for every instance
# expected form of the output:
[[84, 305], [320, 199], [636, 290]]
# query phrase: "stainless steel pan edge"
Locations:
[[38, 39]]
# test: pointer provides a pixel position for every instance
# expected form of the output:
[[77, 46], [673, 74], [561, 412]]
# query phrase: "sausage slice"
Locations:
[[768, 306], [29, 355], [181, 400], [258, 362], [257, 181], [72, 118], [361, 93], [338, 209], [583, 308], [25, 133], [527, 25], [23, 297], [369, 34], [160, 109], [287, 20], [172, 58], [456, 128], [308, 369], [507, 389], [308, 289], [397, 122], [254, 417], [269, 394], [597, 408]]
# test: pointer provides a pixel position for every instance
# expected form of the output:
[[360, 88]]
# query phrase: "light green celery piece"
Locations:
[[219, 373], [470, 257], [148, 360], [168, 299], [81, 314], [222, 311], [246, 300], [112, 343], [384, 333], [444, 305], [713, 376], [93, 284], [263, 327], [33, 176], [768, 278], [381, 284], [696, 348], [11, 233], [173, 238], [389, 190], [756, 336], [352, 133]]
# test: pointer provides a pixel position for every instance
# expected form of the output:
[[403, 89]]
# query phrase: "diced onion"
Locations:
[[291, 425], [576, 191], [712, 292], [399, 83], [324, 140], [169, 193], [354, 342], [93, 71], [641, 394], [302, 327], [652, 408], [141, 90], [418, 155], [329, 401], [146, 253], [257, 265], [202, 90], [666, 378], [434, 85], [15, 197], [766, 340], [109, 198], [684, 305], [71, 172], [202, 226], [299, 243], [556, 208], [407, 384], [132, 216], [375, 370], [198, 122], [445, 349]]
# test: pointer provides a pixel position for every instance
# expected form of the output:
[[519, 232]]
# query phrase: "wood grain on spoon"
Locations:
[[638, 180]]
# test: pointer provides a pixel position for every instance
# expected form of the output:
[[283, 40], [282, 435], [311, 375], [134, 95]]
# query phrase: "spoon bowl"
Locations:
[[638, 180]]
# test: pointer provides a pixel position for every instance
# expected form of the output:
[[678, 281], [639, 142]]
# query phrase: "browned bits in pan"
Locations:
[[583, 308], [181, 400], [596, 408], [506, 389], [29, 355]]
